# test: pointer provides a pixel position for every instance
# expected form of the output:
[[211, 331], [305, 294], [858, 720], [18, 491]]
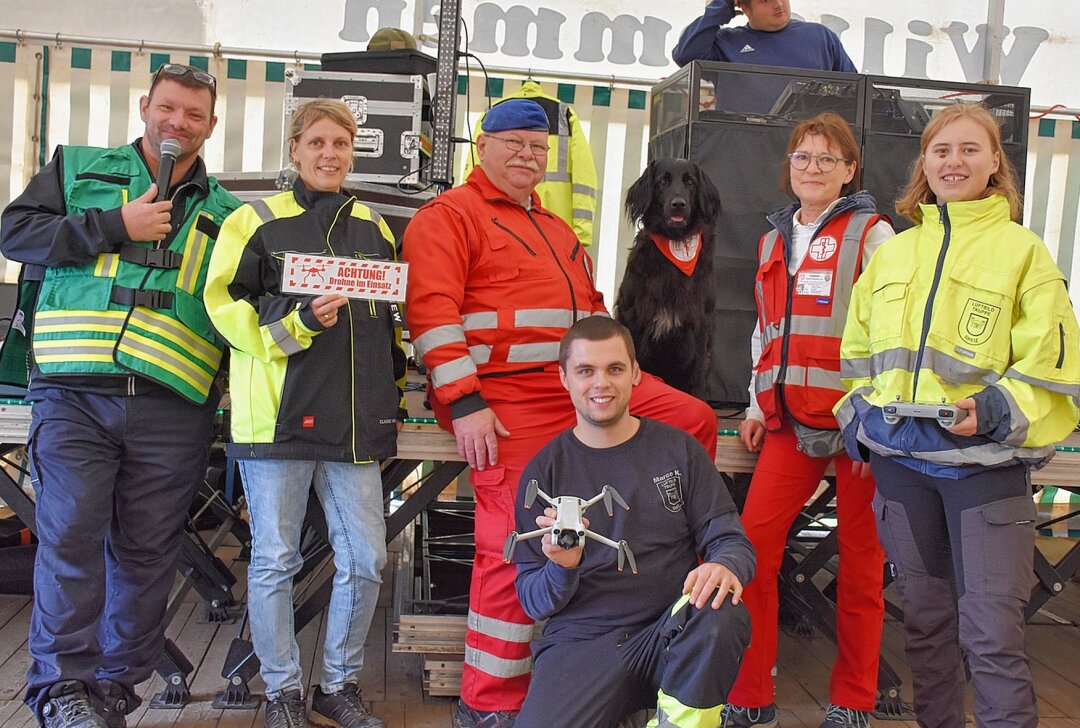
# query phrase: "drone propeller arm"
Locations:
[[533, 534], [513, 537], [602, 539]]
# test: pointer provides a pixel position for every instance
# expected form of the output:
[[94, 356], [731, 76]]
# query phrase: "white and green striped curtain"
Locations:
[[90, 96]]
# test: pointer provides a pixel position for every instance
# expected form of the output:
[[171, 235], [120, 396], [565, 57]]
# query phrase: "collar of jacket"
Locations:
[[319, 201], [491, 193], [989, 211], [784, 219], [196, 175]]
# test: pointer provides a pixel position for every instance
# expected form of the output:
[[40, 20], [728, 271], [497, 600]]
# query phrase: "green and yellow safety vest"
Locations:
[[139, 308]]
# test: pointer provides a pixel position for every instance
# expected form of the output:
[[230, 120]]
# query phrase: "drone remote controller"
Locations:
[[946, 415]]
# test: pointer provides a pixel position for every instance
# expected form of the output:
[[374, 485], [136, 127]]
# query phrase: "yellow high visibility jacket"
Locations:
[[569, 186], [967, 304]]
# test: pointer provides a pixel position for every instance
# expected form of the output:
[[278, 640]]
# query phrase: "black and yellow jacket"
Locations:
[[301, 391]]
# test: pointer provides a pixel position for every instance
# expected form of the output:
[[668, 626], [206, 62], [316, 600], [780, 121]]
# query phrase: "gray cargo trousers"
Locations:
[[962, 551]]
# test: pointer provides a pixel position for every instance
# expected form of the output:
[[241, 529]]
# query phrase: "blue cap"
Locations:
[[515, 114]]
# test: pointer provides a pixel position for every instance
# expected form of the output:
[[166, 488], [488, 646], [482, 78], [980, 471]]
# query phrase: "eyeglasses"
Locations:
[[825, 162], [516, 145], [178, 69]]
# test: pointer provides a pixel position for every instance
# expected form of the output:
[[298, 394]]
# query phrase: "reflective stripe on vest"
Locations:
[[106, 265], [195, 248]]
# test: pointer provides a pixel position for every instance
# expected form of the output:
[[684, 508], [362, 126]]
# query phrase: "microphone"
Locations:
[[170, 150]]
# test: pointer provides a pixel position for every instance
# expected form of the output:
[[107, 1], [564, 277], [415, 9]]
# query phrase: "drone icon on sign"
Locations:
[[315, 271]]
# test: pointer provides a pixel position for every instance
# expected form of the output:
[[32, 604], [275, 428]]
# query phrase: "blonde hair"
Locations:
[[1002, 182], [316, 110]]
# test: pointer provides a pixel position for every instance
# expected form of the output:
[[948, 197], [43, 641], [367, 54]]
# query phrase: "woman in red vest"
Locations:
[[808, 264]]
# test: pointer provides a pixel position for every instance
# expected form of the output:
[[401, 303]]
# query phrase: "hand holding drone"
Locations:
[[569, 529]]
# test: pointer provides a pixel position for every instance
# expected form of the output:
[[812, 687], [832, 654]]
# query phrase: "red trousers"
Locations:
[[784, 480], [534, 408]]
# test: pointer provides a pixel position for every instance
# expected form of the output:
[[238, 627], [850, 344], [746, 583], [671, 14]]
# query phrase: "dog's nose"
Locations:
[[678, 204]]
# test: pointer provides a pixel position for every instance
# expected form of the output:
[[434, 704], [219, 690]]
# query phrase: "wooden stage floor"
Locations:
[[392, 681]]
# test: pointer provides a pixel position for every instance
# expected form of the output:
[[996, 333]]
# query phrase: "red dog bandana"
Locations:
[[683, 254]]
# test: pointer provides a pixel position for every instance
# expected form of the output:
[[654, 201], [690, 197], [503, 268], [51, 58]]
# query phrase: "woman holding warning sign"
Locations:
[[316, 380]]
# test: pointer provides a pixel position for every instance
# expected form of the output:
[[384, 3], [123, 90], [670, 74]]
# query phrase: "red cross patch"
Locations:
[[823, 248]]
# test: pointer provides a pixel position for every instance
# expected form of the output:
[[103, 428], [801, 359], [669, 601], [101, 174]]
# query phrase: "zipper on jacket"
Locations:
[[352, 358], [1061, 345], [555, 257], [512, 234], [785, 341], [943, 218]]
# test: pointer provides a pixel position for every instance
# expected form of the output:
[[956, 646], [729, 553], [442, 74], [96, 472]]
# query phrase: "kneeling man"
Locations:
[[670, 636]]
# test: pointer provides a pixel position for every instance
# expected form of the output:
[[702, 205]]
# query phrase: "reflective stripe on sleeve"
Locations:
[[438, 336], [284, 339], [452, 371]]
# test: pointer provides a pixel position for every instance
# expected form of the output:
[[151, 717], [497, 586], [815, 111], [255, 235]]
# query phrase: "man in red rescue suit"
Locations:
[[494, 282]]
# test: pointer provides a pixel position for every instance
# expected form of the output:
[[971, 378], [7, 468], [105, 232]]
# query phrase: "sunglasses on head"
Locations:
[[178, 69]]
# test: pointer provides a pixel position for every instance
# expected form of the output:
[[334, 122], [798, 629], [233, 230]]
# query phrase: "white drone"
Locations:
[[569, 529]]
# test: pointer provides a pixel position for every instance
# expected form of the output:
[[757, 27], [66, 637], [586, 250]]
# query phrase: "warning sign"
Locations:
[[317, 275]]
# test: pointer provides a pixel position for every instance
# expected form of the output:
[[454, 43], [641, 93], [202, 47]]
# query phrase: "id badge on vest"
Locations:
[[816, 283]]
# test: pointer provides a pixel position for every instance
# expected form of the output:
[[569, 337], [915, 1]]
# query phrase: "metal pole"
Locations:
[[995, 36]]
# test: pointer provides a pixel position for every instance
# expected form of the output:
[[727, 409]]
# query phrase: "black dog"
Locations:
[[668, 311]]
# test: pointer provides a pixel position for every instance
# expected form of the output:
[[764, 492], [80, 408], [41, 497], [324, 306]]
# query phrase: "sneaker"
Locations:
[[343, 709], [837, 716], [113, 707], [287, 711], [734, 716], [68, 705], [466, 717]]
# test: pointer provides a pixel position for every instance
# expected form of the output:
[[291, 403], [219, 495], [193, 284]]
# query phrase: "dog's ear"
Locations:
[[641, 194], [708, 197]]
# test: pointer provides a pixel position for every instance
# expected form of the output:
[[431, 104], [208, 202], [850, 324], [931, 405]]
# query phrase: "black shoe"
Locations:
[[466, 717], [343, 709], [287, 710], [114, 706], [67, 705]]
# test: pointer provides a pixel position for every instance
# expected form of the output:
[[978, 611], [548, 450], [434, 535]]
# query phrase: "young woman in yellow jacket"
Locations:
[[966, 310]]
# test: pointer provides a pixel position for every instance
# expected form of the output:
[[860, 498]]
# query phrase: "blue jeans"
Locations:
[[351, 497], [114, 476]]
